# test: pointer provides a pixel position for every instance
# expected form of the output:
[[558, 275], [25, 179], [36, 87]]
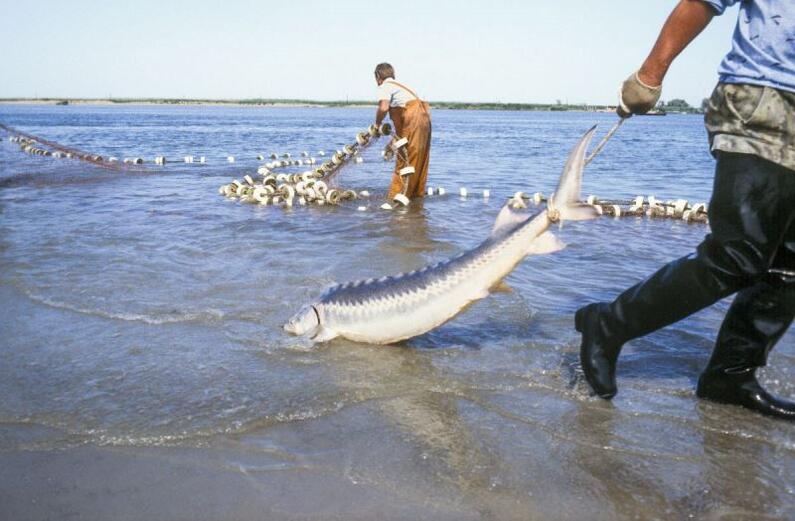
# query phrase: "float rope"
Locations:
[[306, 187], [640, 206], [27, 141]]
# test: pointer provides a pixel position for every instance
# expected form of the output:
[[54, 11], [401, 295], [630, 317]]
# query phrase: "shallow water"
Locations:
[[142, 312]]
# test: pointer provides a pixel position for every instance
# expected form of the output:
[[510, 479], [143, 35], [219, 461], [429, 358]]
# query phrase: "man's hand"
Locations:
[[637, 97]]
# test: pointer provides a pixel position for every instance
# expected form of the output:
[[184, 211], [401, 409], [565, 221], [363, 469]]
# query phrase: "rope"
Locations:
[[306, 187], [604, 141], [74, 152]]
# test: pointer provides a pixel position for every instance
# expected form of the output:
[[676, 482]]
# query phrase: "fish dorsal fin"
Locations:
[[547, 242], [506, 220]]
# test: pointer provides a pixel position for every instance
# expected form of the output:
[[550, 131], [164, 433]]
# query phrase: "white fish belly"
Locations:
[[387, 328]]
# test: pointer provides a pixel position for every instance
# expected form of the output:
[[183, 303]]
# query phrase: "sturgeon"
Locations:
[[398, 307]]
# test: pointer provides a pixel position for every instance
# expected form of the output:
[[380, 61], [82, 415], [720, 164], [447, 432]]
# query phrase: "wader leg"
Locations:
[[751, 208]]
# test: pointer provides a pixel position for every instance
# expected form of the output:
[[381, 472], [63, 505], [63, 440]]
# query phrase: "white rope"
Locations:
[[604, 141]]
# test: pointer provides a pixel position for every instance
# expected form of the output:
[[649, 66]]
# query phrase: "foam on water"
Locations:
[[164, 317]]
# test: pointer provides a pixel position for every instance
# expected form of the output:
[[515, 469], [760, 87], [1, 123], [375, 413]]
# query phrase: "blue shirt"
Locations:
[[763, 46]]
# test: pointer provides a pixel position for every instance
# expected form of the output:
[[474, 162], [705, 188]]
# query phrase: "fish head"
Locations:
[[306, 321]]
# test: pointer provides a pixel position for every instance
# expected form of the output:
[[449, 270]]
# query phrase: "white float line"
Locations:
[[347, 153], [639, 206], [678, 208], [186, 159]]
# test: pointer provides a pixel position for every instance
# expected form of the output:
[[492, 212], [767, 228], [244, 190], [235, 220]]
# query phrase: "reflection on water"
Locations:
[[145, 311]]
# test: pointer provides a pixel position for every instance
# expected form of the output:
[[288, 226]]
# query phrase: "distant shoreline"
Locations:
[[292, 103]]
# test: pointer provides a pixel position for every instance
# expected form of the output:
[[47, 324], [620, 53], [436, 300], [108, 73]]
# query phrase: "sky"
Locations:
[[531, 51]]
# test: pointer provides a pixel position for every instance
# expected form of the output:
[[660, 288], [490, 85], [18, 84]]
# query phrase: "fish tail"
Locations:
[[565, 205]]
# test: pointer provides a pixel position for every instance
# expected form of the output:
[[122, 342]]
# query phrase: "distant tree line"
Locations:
[[676, 106], [680, 106]]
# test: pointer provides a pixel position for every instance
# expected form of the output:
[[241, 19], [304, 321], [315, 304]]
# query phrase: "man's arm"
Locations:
[[641, 90], [684, 23], [381, 111]]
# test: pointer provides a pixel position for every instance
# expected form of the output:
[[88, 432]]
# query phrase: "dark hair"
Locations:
[[384, 71]]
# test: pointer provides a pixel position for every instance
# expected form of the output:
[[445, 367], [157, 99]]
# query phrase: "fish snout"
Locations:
[[305, 321], [290, 327]]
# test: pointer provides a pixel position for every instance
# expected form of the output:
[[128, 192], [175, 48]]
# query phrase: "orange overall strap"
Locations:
[[392, 80], [397, 114]]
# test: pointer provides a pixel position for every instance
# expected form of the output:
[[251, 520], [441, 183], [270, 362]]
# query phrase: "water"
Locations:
[[143, 360]]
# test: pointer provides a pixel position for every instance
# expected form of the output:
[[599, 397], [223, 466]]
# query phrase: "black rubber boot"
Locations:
[[756, 320], [750, 214], [677, 290], [743, 389], [598, 351]]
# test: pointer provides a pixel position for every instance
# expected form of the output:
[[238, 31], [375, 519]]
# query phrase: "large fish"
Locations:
[[391, 309]]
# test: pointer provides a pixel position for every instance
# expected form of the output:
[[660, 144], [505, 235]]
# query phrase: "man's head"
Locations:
[[383, 71]]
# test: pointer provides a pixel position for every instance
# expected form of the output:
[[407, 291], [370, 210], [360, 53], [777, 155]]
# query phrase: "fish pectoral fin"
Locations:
[[547, 242], [506, 219], [501, 287], [324, 335]]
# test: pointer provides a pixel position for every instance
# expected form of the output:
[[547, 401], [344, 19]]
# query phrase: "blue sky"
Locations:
[[508, 51]]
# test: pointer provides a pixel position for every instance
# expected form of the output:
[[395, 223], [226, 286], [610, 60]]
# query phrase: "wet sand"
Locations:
[[322, 469], [191, 484]]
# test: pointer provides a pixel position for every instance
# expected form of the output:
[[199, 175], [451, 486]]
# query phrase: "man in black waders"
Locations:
[[751, 248]]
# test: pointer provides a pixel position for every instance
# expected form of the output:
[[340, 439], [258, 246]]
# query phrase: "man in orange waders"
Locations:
[[412, 120]]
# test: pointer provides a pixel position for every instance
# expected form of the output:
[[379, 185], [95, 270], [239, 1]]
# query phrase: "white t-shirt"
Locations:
[[396, 95]]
